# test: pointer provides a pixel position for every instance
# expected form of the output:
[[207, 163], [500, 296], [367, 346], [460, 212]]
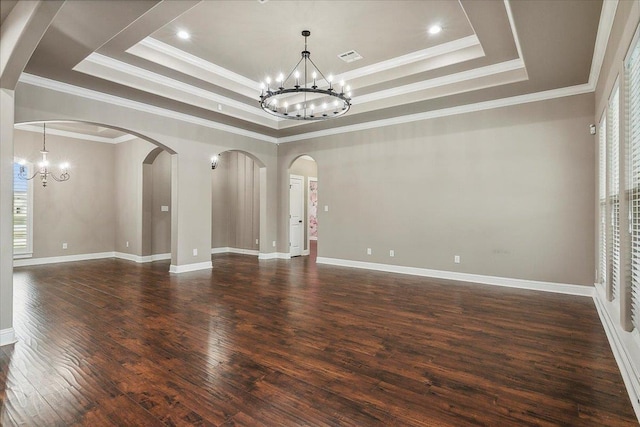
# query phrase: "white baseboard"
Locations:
[[85, 257], [464, 277], [7, 336], [190, 267], [57, 259], [305, 252], [625, 347], [274, 255], [227, 250], [141, 259]]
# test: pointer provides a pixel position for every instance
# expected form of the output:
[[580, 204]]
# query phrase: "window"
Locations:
[[22, 213], [633, 85], [613, 142], [602, 190]]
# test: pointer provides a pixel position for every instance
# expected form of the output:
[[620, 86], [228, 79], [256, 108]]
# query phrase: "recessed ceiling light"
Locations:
[[184, 35], [435, 29]]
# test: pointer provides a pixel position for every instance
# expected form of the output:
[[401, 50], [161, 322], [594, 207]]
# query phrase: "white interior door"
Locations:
[[296, 214]]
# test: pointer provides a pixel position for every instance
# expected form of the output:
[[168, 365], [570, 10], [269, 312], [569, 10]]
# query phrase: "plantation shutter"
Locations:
[[602, 195], [20, 212], [614, 190], [633, 76]]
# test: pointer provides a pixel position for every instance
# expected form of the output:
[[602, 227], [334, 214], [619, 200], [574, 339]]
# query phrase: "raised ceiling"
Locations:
[[487, 50]]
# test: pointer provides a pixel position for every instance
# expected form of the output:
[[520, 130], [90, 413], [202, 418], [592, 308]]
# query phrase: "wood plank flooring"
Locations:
[[289, 343]]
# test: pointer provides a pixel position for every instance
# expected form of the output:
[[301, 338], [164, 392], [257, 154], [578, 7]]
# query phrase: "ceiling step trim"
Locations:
[[75, 135], [43, 82], [461, 109]]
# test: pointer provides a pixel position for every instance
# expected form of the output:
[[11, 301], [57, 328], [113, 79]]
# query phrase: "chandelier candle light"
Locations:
[[305, 100], [43, 165]]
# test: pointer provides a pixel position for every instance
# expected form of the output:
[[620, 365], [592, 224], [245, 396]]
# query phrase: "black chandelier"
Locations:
[[305, 100]]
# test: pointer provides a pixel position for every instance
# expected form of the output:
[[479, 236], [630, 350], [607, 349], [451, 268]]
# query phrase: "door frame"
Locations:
[[302, 206]]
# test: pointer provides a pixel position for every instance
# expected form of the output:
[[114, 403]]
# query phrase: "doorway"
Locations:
[[296, 214], [303, 206]]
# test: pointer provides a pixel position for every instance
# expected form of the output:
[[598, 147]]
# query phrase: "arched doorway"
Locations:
[[98, 212], [156, 205], [237, 198], [303, 206]]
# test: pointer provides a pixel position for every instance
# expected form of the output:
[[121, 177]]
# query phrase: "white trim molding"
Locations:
[[460, 109], [228, 250], [561, 288], [75, 135], [186, 268], [274, 255], [58, 259], [141, 259], [7, 336], [625, 347], [86, 257], [57, 86]]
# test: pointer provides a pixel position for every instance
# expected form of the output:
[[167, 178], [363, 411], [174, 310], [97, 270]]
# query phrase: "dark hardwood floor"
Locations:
[[289, 343]]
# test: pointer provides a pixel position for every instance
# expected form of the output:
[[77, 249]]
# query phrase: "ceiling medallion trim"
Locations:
[[330, 103]]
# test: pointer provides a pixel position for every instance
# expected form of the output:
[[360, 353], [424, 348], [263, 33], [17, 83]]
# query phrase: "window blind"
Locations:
[[602, 195], [633, 85], [614, 189], [20, 212]]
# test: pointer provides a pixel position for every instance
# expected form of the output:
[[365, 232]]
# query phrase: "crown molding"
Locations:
[[181, 55], [76, 135], [92, 64], [45, 83], [420, 55], [474, 73], [514, 32], [607, 16], [461, 109]]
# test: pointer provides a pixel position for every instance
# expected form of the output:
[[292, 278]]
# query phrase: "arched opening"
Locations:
[[156, 205], [98, 212], [303, 206], [238, 203]]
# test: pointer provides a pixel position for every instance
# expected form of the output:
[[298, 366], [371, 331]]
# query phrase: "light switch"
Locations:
[[164, 208], [326, 208]]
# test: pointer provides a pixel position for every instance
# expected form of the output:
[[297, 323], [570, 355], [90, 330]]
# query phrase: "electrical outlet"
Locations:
[[127, 244], [273, 243], [64, 246], [164, 208], [392, 253], [456, 259], [368, 251], [326, 208], [257, 242], [195, 252]]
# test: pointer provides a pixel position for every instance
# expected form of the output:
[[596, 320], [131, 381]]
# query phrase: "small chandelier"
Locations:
[[43, 165], [304, 100]]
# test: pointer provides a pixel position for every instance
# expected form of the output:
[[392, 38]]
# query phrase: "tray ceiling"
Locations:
[[487, 50]]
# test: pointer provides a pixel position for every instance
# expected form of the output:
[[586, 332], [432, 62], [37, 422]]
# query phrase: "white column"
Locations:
[[7, 107]]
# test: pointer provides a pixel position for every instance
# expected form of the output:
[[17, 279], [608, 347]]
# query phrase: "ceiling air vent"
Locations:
[[350, 56]]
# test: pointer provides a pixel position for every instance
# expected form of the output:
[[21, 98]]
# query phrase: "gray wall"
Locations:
[[100, 208], [235, 195], [129, 157], [80, 212], [508, 189], [161, 196], [305, 168]]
